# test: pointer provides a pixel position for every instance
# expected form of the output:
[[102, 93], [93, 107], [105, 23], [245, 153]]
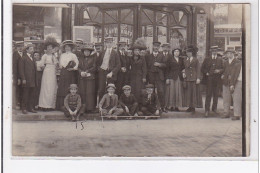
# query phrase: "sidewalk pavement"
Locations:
[[58, 115]]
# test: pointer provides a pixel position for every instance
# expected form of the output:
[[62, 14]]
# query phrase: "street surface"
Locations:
[[177, 137]]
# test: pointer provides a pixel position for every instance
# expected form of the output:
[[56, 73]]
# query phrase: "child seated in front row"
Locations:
[[72, 103], [150, 104], [128, 102], [108, 106]]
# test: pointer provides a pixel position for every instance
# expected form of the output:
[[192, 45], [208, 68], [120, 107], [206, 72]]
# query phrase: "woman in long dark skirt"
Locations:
[[192, 77], [174, 78], [138, 71], [87, 70], [69, 65]]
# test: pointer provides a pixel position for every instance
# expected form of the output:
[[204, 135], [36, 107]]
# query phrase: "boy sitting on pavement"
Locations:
[[108, 106], [72, 103], [128, 102], [150, 104]]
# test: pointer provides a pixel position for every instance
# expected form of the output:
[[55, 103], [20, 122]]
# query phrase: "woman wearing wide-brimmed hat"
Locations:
[[49, 61], [138, 69], [174, 89], [192, 77], [69, 65], [87, 70]]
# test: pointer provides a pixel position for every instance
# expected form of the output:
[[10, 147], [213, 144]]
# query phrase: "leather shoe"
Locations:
[[207, 114], [177, 109], [189, 110], [235, 118], [33, 111], [24, 111]]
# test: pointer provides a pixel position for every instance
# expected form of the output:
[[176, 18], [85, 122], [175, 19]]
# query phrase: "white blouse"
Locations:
[[65, 58]]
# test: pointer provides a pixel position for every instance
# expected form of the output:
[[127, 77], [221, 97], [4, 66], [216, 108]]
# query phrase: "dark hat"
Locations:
[[191, 48], [98, 44], [214, 48], [157, 43], [149, 86], [79, 41], [176, 49], [121, 43], [166, 45], [108, 39], [111, 85], [230, 50], [126, 87], [50, 41], [89, 47], [73, 86], [67, 42], [139, 43]]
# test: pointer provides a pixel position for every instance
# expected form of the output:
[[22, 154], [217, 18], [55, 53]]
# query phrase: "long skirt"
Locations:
[[87, 93], [192, 95], [49, 86], [174, 94], [137, 86], [66, 78]]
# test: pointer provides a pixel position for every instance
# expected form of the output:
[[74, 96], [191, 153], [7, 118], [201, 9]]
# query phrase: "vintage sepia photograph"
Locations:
[[130, 80]]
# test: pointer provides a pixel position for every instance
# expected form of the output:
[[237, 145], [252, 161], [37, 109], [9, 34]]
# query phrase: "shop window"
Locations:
[[127, 16], [126, 33], [162, 34], [146, 17], [147, 34], [161, 19], [97, 34], [111, 16], [178, 37], [111, 30], [234, 39]]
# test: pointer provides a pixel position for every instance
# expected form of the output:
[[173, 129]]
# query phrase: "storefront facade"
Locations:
[[177, 24]]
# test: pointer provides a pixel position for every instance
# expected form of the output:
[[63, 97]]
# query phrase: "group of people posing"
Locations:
[[131, 81]]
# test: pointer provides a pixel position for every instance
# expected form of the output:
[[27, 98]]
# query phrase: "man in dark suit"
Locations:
[[212, 68], [232, 85], [122, 76], [156, 65], [108, 66], [98, 51], [17, 55], [27, 72]]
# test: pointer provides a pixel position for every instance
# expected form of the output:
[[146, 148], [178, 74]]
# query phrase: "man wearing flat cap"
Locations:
[[212, 69], [108, 65], [232, 85], [27, 72], [122, 76], [155, 67], [17, 55]]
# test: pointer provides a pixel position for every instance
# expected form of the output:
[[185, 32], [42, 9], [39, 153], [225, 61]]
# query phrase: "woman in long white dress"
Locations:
[[47, 99]]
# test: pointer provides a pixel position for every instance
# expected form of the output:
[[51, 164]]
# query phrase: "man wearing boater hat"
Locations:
[[122, 76], [156, 65], [108, 65], [212, 68], [27, 72]]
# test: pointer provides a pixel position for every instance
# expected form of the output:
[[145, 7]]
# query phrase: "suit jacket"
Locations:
[[231, 72], [138, 68], [16, 57], [209, 65], [114, 63], [154, 101], [107, 103], [174, 68], [192, 69], [125, 61], [27, 71], [127, 101], [87, 65], [165, 60], [152, 70]]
